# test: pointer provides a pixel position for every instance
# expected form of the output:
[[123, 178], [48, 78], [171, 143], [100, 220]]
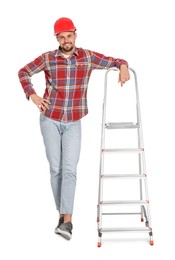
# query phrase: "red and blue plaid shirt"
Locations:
[[66, 80]]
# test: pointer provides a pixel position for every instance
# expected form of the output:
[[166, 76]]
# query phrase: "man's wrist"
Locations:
[[123, 66]]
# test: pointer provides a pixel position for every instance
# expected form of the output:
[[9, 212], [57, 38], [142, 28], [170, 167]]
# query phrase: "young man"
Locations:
[[67, 72]]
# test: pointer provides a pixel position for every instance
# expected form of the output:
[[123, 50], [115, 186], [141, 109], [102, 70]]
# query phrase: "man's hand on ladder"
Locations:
[[123, 74]]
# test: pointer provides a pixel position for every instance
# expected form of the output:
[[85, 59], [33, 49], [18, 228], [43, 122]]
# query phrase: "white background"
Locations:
[[142, 32]]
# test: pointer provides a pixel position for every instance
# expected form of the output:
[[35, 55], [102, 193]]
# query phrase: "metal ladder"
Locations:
[[141, 204]]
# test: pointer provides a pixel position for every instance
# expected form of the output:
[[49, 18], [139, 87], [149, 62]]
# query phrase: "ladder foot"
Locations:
[[151, 242], [99, 244], [142, 219]]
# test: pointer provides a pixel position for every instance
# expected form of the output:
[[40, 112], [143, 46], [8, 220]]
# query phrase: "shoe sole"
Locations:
[[65, 234]]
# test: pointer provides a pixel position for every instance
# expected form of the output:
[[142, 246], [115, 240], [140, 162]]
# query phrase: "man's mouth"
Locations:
[[67, 44]]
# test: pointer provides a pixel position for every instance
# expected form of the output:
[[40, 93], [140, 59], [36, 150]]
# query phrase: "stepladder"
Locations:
[[123, 200]]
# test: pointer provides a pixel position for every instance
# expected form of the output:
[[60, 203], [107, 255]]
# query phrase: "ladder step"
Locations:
[[137, 176], [124, 202], [130, 150], [121, 213], [126, 229], [121, 125]]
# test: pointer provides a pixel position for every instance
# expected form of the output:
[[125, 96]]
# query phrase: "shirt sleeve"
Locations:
[[27, 72], [100, 61]]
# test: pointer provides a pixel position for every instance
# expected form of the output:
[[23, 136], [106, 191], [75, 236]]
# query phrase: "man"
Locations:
[[67, 72]]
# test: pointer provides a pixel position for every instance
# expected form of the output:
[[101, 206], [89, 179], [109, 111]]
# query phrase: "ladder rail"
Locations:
[[141, 157]]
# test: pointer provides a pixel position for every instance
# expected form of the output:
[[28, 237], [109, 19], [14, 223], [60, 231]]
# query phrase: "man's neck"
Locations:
[[65, 55]]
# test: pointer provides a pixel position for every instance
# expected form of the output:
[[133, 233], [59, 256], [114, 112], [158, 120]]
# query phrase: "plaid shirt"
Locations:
[[66, 80]]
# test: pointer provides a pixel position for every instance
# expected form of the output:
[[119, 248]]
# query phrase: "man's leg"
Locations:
[[71, 144], [52, 140]]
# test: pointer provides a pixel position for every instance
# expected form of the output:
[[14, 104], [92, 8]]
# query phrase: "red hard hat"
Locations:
[[64, 25]]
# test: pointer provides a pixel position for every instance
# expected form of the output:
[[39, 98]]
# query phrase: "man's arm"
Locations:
[[27, 72], [100, 61], [25, 75]]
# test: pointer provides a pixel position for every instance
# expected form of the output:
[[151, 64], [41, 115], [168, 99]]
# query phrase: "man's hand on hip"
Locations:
[[41, 103]]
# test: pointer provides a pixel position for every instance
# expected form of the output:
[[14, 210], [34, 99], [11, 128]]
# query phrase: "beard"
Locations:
[[67, 48]]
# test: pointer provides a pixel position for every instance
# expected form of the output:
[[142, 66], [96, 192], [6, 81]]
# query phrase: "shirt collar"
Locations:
[[59, 52]]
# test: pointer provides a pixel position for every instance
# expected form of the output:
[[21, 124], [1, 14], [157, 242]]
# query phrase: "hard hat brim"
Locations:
[[70, 30]]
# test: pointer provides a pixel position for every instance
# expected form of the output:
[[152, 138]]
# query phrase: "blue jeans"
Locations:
[[62, 143]]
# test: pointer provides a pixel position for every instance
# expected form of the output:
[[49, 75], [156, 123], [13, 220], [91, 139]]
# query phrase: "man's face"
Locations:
[[67, 41]]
